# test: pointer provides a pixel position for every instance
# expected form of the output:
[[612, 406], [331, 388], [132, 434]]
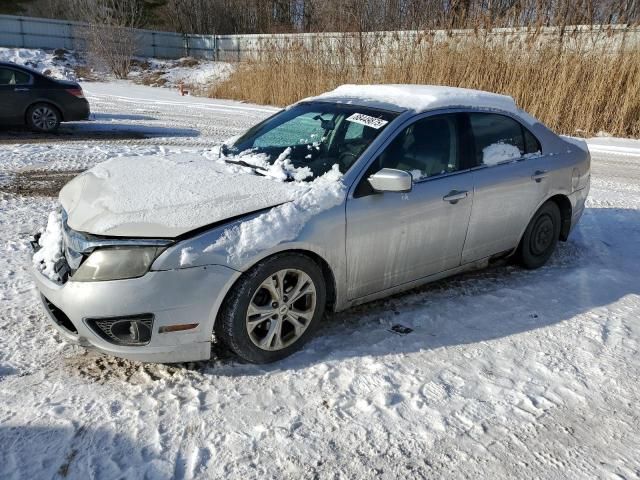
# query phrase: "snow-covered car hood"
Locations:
[[166, 196]]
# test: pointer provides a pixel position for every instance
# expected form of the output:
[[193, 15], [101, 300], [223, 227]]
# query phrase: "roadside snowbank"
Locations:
[[59, 63], [190, 71], [63, 64]]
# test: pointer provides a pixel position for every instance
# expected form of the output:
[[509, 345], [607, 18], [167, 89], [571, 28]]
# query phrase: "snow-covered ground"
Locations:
[[507, 373]]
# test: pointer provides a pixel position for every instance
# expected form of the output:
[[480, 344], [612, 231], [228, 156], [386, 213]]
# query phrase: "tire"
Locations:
[[257, 323], [43, 117], [541, 236]]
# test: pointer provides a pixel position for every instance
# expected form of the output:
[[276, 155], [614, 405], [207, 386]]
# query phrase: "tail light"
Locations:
[[76, 92]]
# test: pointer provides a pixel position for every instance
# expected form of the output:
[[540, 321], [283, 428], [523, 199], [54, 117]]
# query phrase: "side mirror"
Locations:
[[391, 180]]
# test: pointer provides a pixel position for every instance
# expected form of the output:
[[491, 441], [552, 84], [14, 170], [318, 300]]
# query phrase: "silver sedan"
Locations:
[[335, 201]]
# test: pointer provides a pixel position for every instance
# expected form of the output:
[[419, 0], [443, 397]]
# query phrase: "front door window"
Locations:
[[426, 148]]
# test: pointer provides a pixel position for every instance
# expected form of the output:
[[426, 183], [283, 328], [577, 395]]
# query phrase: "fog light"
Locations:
[[133, 330]]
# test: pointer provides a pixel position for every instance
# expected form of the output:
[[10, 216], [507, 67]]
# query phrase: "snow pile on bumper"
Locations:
[[44, 260]]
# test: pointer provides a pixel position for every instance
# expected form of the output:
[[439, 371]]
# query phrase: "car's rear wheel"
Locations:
[[273, 309], [541, 236], [43, 117]]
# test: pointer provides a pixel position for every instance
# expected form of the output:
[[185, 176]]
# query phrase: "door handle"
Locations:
[[454, 195], [20, 89], [539, 175]]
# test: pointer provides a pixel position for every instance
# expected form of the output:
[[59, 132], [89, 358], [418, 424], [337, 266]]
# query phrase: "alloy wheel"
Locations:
[[281, 309], [44, 118]]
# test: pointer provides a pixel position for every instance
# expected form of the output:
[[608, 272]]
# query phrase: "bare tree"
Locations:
[[272, 16], [110, 36]]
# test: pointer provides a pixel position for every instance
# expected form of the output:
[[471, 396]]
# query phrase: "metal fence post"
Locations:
[[22, 34]]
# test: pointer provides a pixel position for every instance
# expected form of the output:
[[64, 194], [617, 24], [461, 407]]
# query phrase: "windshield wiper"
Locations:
[[242, 163]]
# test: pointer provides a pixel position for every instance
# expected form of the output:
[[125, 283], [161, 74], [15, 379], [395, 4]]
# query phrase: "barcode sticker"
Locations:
[[367, 121]]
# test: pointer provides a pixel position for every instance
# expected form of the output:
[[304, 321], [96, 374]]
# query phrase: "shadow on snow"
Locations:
[[599, 265]]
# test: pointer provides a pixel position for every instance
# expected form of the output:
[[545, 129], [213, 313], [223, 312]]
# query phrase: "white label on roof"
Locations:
[[367, 121]]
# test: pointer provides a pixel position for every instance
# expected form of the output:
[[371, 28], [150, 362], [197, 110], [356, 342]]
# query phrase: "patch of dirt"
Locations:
[[86, 74], [142, 64], [38, 183], [103, 369], [152, 79], [189, 62]]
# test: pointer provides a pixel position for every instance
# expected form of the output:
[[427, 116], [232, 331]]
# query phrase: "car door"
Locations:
[[394, 238], [15, 87], [509, 181]]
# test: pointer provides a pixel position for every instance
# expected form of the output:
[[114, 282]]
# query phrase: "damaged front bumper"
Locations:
[[164, 316]]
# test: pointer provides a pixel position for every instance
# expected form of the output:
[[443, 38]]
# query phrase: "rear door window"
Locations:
[[499, 138], [8, 76]]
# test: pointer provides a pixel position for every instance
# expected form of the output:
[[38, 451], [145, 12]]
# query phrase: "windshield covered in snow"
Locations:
[[313, 136]]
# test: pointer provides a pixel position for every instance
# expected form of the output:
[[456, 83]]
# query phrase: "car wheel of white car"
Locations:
[[43, 117], [541, 236], [273, 309]]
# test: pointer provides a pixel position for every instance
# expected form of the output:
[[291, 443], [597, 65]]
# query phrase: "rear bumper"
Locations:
[[173, 297], [76, 110]]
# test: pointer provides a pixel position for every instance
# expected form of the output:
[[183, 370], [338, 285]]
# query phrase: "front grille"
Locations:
[[132, 330], [62, 269], [60, 317]]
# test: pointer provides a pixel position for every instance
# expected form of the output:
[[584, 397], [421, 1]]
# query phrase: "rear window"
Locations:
[[500, 138], [531, 143], [8, 76]]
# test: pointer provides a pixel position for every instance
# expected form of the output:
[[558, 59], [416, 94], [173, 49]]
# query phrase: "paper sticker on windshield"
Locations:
[[367, 121]]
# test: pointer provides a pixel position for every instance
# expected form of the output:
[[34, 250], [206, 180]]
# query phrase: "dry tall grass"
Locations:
[[573, 90]]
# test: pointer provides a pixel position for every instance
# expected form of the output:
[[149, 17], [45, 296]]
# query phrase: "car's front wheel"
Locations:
[[43, 117], [273, 309], [541, 236]]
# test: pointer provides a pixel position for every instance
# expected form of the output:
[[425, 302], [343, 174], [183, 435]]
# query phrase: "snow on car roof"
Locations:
[[417, 98]]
